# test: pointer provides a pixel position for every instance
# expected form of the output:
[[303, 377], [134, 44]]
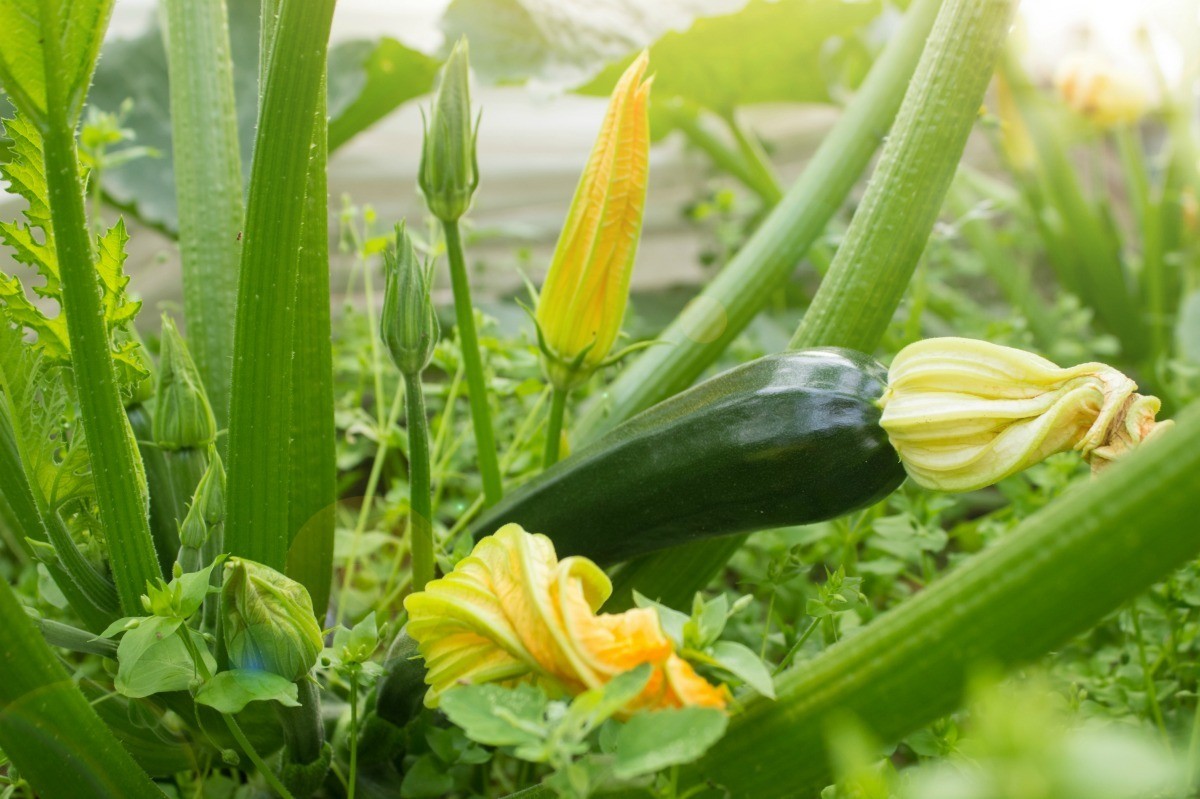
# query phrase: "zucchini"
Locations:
[[783, 440]]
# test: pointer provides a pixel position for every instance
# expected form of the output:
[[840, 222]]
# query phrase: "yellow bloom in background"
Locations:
[[964, 414], [1094, 88], [583, 299], [512, 610]]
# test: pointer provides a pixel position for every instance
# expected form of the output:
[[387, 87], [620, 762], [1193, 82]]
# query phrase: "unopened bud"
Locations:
[[183, 417], [449, 171], [268, 621], [409, 325]]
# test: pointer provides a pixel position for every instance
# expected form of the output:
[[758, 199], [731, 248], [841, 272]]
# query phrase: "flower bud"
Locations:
[[583, 300], [449, 171], [209, 498], [182, 418], [268, 621], [1093, 88], [408, 325], [964, 414]]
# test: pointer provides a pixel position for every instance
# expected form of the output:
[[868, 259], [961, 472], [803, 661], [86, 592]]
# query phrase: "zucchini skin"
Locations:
[[783, 440]]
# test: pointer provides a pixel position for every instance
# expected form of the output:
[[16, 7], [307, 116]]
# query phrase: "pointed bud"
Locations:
[[268, 621], [582, 302], [210, 491], [964, 414], [182, 418], [449, 171], [409, 325]]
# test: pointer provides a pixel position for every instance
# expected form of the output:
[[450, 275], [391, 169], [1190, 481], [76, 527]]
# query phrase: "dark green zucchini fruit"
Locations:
[[787, 439]]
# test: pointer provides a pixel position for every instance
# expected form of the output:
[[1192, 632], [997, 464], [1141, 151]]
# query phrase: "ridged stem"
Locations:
[[558, 408], [208, 184], [477, 390], [120, 482]]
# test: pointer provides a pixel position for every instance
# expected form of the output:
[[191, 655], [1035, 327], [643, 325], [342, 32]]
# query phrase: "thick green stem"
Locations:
[[260, 429], [48, 729], [164, 525], [420, 500], [477, 390], [744, 286], [208, 184], [312, 482], [120, 481], [353, 734], [558, 407]]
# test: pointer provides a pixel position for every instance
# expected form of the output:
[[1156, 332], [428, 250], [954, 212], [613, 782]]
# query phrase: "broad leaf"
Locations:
[[741, 661], [769, 52], [367, 81], [565, 42], [32, 243], [231, 691], [592, 708], [498, 716], [152, 658], [650, 742]]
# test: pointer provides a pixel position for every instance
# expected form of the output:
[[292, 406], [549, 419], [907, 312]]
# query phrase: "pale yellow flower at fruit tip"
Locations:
[[582, 302], [964, 414], [512, 611], [1096, 89]]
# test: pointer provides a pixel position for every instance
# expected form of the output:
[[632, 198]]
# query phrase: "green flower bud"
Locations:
[[409, 325], [449, 171], [268, 621], [210, 491], [143, 389], [183, 418]]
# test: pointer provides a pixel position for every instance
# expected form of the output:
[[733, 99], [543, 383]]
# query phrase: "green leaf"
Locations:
[[768, 52], [370, 79], [425, 780], [33, 245], [650, 742], [367, 81], [23, 51], [356, 645], [742, 662], [231, 691], [569, 41], [152, 658], [498, 716], [707, 621], [592, 708], [673, 622]]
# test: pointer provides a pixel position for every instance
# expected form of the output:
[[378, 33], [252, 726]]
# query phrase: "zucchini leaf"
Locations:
[[32, 243]]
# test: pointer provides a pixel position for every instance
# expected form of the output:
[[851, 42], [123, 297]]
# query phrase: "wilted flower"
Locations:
[[583, 299], [512, 610], [268, 621], [408, 324], [964, 414], [182, 417], [449, 172], [1094, 88]]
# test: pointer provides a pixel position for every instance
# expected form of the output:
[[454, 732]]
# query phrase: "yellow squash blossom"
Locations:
[[964, 414], [512, 610], [1093, 88], [583, 299]]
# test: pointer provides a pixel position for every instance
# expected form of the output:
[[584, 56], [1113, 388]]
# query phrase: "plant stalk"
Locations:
[[477, 390], [420, 510], [558, 407]]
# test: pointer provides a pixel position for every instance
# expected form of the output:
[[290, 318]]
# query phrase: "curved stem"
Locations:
[[558, 406], [481, 418], [420, 513]]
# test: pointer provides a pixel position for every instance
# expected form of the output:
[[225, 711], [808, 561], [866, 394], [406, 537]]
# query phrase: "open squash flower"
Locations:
[[583, 299], [964, 414], [513, 611], [1095, 89]]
